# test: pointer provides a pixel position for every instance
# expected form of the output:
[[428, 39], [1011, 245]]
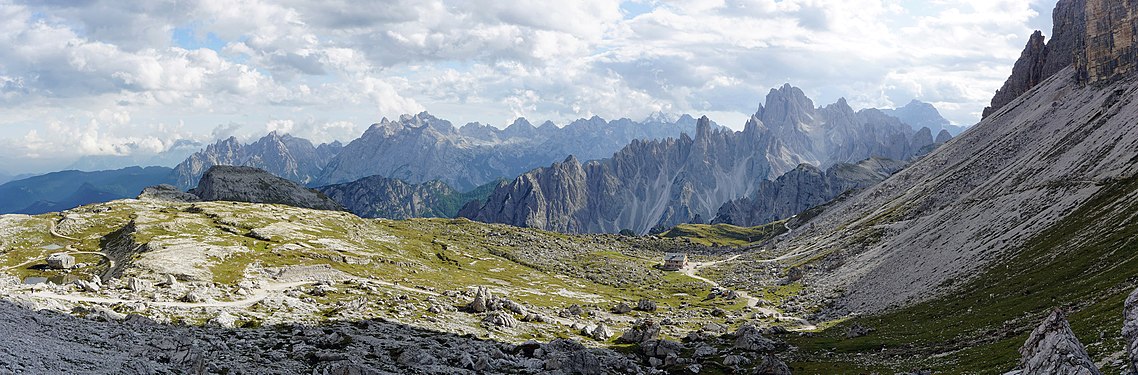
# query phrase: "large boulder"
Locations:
[[481, 301], [641, 331], [749, 337], [60, 261], [1053, 348]]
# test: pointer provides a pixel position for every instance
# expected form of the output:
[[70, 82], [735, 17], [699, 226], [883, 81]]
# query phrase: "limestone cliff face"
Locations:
[[1112, 46], [1039, 61]]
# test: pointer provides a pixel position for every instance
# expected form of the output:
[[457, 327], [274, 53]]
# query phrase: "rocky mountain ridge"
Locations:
[[655, 185], [381, 197], [422, 148], [803, 188], [283, 155]]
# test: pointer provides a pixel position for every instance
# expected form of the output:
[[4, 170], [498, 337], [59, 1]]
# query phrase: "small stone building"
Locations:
[[675, 261]]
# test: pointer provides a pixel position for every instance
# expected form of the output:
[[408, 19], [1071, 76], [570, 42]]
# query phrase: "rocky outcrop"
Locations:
[[1111, 40], [167, 193], [381, 197], [1026, 73], [1130, 331], [1040, 60], [283, 155], [1053, 349], [252, 185], [803, 188], [655, 185]]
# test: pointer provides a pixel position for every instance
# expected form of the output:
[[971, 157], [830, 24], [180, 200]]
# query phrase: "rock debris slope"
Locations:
[[654, 185], [252, 185], [963, 206]]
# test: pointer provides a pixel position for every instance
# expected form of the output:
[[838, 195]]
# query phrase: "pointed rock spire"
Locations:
[[703, 128], [1053, 348]]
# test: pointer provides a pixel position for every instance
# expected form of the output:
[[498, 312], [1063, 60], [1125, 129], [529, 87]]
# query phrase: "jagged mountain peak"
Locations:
[[787, 105]]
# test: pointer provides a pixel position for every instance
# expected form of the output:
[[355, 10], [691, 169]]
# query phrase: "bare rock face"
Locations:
[[1130, 331], [1027, 72], [248, 184], [1039, 61], [1053, 349], [1112, 43], [803, 188]]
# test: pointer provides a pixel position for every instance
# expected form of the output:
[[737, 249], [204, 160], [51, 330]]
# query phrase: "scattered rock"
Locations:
[[481, 299], [600, 332], [572, 311], [622, 308], [772, 366], [749, 337], [195, 296], [857, 330], [641, 331], [138, 285], [223, 320], [499, 319], [1053, 349], [88, 286], [646, 305]]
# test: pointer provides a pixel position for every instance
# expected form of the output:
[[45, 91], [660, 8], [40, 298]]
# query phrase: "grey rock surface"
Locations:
[[167, 193], [803, 188], [1053, 349], [48, 342], [252, 185], [1039, 60]]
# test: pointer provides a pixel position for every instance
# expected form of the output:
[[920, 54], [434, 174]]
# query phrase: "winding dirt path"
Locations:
[[752, 302]]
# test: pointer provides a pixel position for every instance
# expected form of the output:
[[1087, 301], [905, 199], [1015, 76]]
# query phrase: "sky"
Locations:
[[133, 78]]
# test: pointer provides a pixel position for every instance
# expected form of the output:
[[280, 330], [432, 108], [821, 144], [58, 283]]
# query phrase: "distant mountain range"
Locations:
[[293, 158], [58, 191], [924, 115], [421, 165], [650, 186]]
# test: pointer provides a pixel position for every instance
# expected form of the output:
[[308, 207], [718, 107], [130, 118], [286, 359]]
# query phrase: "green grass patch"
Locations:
[[1087, 263], [725, 235]]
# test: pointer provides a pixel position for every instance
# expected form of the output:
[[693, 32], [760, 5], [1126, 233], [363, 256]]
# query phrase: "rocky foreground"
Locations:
[[40, 342]]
